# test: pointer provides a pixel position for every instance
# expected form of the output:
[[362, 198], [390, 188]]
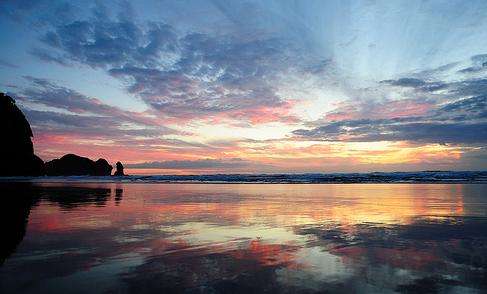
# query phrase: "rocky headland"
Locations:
[[74, 165], [18, 155], [18, 158]]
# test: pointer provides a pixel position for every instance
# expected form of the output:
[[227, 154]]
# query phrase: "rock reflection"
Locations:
[[118, 195], [68, 197], [19, 198], [17, 201]]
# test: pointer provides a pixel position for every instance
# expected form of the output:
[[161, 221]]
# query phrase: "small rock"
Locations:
[[119, 171]]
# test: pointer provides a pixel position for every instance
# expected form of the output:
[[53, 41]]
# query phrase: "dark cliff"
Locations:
[[18, 158]]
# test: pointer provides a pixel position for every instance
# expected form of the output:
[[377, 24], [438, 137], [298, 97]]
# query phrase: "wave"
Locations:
[[374, 177]]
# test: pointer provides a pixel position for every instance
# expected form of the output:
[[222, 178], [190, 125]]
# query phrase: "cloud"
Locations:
[[479, 64], [109, 128], [37, 13], [47, 93], [406, 82], [425, 107], [232, 163], [471, 87], [183, 75], [390, 130], [16, 10], [5, 63], [382, 109], [64, 120], [466, 109], [47, 56], [417, 84], [459, 122]]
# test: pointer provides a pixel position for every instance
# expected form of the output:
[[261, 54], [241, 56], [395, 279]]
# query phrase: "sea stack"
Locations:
[[119, 171], [17, 150]]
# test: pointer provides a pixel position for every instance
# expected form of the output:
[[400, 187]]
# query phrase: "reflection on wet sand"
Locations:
[[14, 216], [242, 238], [19, 198]]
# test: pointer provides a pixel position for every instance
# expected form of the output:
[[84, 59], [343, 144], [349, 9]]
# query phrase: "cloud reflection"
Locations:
[[241, 238]]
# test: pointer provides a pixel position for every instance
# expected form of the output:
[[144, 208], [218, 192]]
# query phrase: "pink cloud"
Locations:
[[383, 110]]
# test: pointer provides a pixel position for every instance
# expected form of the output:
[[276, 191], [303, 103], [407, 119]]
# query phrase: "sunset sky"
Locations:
[[252, 86]]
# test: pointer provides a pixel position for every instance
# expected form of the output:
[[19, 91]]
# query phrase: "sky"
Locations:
[[194, 87]]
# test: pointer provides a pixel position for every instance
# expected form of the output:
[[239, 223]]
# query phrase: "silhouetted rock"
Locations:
[[102, 168], [16, 149], [119, 171], [74, 165]]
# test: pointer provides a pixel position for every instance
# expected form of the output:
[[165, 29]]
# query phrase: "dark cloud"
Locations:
[[418, 84], [371, 131], [454, 90], [438, 111], [466, 109], [233, 163], [48, 56], [44, 92], [5, 63], [479, 65], [17, 9], [479, 59], [470, 87], [458, 88], [459, 122], [406, 82], [474, 69], [96, 127], [37, 13]]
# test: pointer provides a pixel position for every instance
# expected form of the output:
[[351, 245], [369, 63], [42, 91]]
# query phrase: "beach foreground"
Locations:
[[243, 238]]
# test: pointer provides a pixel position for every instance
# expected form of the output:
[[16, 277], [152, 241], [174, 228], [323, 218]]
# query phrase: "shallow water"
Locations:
[[243, 238]]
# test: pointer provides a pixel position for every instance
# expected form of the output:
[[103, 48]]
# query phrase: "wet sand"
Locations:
[[243, 238]]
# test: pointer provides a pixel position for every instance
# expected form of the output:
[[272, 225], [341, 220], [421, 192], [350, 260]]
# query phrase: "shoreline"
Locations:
[[93, 181], [426, 177]]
